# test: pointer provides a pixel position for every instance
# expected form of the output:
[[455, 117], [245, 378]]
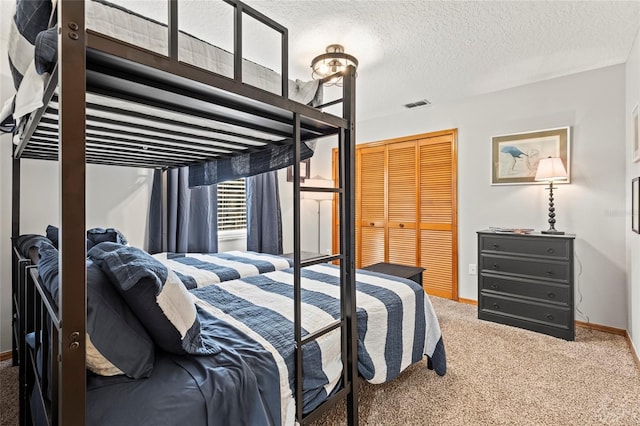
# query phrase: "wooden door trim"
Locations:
[[454, 216], [407, 138]]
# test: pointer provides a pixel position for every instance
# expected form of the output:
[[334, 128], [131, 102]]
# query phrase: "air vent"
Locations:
[[420, 103]]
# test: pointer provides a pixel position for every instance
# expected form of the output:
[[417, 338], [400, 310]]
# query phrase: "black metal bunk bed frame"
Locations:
[[92, 62]]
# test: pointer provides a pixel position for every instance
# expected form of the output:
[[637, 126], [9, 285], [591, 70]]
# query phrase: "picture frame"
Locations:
[[515, 157], [635, 205], [635, 134], [305, 171]]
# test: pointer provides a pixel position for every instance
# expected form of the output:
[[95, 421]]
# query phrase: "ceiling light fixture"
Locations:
[[334, 61]]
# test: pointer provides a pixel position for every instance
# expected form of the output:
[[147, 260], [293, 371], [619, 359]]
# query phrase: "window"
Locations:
[[232, 208]]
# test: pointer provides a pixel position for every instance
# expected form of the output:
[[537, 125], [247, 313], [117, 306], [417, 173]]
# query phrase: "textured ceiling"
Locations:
[[435, 50], [445, 50]]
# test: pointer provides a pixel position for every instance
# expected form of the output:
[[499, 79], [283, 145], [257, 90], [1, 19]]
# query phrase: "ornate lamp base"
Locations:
[[552, 231], [552, 214]]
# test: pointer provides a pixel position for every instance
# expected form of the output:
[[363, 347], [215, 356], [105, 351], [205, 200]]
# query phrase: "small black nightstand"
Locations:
[[414, 273]]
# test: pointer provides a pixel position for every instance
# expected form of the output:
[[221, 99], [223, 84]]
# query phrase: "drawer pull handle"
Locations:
[[496, 266], [550, 250], [371, 224], [401, 225], [550, 273], [550, 317], [494, 285], [496, 306], [551, 295], [495, 246]]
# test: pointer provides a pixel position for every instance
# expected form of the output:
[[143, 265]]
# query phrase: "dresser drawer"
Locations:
[[549, 270], [530, 311], [534, 246], [545, 292]]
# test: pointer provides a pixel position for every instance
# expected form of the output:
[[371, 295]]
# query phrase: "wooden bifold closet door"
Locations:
[[406, 207]]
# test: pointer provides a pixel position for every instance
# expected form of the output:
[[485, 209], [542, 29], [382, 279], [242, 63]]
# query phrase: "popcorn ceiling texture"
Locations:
[[445, 50], [411, 50]]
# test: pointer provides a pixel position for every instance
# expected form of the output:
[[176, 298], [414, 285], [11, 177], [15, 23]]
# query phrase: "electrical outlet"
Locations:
[[472, 269]]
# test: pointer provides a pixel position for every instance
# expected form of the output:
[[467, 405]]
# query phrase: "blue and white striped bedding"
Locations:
[[396, 326], [199, 270]]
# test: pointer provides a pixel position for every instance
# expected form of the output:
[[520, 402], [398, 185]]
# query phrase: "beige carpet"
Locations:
[[8, 394], [500, 375], [497, 375]]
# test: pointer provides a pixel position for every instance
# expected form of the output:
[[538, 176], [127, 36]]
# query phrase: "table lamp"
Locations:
[[551, 170]]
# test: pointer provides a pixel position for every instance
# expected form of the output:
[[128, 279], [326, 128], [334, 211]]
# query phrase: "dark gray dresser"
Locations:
[[527, 281]]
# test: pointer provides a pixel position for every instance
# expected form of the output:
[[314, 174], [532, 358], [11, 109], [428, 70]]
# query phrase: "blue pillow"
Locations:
[[157, 296], [116, 341], [25, 243], [100, 235], [52, 234], [94, 236]]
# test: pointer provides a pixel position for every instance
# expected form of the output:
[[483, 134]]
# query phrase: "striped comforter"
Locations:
[[199, 270], [396, 326]]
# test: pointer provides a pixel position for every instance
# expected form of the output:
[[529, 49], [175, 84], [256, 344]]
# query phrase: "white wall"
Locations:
[[5, 235], [592, 206], [633, 171]]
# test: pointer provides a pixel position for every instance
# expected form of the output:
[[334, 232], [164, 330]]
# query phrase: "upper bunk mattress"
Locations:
[[33, 53]]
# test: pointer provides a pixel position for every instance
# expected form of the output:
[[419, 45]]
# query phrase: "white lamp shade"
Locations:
[[320, 183], [551, 169]]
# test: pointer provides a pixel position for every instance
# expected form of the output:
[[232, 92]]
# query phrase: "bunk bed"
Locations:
[[103, 91]]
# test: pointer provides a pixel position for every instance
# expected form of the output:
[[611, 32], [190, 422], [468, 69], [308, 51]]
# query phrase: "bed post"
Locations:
[[15, 231], [72, 171], [348, 239], [297, 291], [18, 357]]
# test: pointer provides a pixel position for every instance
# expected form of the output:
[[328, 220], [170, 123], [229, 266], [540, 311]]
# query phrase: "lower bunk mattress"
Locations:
[[251, 380], [203, 269]]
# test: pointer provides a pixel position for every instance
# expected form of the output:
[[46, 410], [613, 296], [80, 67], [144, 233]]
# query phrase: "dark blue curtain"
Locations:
[[192, 215], [264, 219]]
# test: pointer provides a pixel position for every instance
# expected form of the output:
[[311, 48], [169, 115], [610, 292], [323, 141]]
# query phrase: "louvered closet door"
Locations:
[[401, 203], [438, 235], [370, 241]]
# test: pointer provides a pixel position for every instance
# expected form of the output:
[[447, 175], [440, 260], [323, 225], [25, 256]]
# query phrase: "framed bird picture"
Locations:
[[515, 157]]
